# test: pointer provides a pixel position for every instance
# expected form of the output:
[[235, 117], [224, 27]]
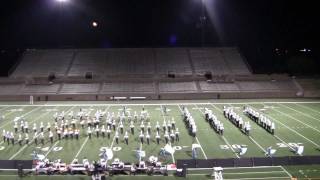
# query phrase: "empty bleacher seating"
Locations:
[[128, 62], [218, 87], [180, 87], [40, 63], [128, 87], [40, 89], [8, 89], [173, 60], [88, 61], [79, 88], [209, 60], [267, 86], [235, 61]]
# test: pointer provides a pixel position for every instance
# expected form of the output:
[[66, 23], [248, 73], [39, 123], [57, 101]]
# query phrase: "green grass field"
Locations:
[[296, 122]]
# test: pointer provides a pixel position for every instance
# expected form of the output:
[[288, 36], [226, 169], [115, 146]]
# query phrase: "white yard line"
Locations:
[[164, 118], [224, 139], [259, 178], [258, 172], [6, 107], [23, 115], [255, 142], [85, 142], [306, 107], [82, 146], [302, 113], [13, 156], [38, 134], [140, 149], [229, 168], [290, 129], [250, 137], [277, 137], [204, 154], [157, 104], [7, 114], [286, 171], [51, 148], [296, 120]]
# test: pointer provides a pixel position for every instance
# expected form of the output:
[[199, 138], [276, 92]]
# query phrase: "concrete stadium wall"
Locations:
[[153, 96], [311, 94]]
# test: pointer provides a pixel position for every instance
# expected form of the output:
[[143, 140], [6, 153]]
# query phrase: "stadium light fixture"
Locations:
[[95, 24], [62, 1]]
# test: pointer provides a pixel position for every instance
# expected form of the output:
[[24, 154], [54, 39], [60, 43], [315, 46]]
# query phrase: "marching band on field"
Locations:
[[236, 119], [260, 119], [69, 125], [102, 124]]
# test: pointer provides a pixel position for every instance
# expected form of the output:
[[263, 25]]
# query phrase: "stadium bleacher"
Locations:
[[88, 61], [8, 89], [145, 70], [128, 87], [40, 63], [218, 87], [80, 88], [209, 60], [145, 61], [173, 60], [40, 89], [178, 87]]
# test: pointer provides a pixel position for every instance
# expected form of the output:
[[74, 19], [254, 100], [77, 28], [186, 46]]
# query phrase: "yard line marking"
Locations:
[[140, 149], [257, 144], [277, 137], [13, 156], [286, 171], [306, 107], [229, 168], [258, 172], [164, 118], [157, 104], [240, 173], [204, 154], [250, 137], [51, 148], [224, 139], [304, 114], [55, 144], [11, 112], [259, 178], [290, 129], [6, 107], [296, 120], [85, 142], [82, 146], [21, 116]]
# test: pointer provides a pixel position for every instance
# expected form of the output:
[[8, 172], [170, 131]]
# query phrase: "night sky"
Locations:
[[258, 27]]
